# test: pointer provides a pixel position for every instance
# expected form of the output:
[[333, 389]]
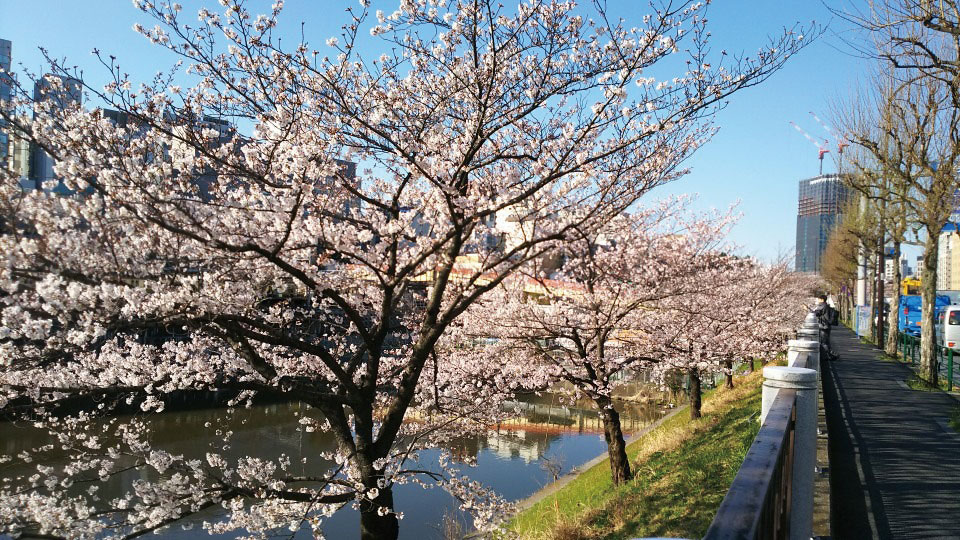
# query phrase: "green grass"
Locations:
[[916, 383], [682, 471], [887, 358], [954, 420]]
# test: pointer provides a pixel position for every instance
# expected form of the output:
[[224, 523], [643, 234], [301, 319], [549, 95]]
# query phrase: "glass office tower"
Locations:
[[6, 93], [820, 206]]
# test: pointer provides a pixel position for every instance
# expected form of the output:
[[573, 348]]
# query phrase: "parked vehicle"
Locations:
[[954, 295], [909, 321], [948, 328]]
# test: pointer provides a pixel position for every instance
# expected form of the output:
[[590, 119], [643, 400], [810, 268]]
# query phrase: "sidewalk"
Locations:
[[894, 462]]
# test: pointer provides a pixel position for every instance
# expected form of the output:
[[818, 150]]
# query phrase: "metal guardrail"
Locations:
[[758, 503], [908, 346]]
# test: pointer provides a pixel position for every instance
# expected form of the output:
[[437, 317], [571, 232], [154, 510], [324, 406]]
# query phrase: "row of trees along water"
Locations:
[[489, 241], [903, 128]]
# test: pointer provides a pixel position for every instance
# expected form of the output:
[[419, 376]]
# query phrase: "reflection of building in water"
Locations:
[[518, 444], [467, 448], [549, 418]]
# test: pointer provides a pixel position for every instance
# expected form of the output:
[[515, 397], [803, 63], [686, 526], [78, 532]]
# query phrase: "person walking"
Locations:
[[826, 317]]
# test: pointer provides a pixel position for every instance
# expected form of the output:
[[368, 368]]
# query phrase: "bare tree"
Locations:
[[884, 191], [909, 136], [839, 263], [917, 37]]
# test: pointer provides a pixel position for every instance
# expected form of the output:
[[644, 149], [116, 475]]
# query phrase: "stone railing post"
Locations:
[[804, 381], [806, 332], [811, 347]]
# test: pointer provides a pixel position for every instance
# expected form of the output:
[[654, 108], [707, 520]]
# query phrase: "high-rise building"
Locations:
[[60, 92], [19, 160], [948, 259], [6, 62], [6, 94], [820, 205], [14, 150], [890, 266]]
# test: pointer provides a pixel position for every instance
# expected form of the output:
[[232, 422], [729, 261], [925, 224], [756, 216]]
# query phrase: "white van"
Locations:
[[948, 327]]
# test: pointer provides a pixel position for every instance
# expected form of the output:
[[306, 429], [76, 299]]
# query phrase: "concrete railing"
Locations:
[[772, 494]]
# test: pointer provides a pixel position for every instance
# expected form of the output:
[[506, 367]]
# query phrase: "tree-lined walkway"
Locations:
[[895, 463]]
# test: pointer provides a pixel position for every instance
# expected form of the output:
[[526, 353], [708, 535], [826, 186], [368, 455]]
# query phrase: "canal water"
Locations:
[[511, 458]]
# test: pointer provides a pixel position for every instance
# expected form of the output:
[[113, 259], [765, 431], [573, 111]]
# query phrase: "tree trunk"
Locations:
[[928, 302], [842, 303], [752, 368], [373, 526], [893, 322], [847, 309], [696, 397], [851, 305], [616, 446], [728, 367]]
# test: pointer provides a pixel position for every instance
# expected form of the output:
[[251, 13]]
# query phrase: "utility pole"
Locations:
[[878, 331], [861, 271]]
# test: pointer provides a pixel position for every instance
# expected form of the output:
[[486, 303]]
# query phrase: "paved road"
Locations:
[[894, 466]]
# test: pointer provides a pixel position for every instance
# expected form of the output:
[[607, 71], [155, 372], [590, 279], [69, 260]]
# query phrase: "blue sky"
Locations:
[[756, 157]]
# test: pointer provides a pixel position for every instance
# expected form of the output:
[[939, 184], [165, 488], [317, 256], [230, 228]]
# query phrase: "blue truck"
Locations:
[[910, 312]]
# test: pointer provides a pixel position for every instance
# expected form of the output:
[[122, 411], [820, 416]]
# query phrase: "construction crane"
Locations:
[[840, 142], [820, 148]]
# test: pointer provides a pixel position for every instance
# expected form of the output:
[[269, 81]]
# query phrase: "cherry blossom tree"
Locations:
[[598, 315], [742, 311], [770, 302], [321, 255]]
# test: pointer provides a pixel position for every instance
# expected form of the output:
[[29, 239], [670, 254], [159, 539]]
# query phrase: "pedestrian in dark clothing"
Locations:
[[826, 317]]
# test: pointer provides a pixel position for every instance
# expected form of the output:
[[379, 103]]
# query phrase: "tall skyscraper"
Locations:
[[891, 264], [61, 92], [14, 150], [6, 62], [6, 93], [820, 206], [948, 259]]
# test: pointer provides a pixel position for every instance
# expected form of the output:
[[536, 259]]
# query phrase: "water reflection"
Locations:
[[509, 456]]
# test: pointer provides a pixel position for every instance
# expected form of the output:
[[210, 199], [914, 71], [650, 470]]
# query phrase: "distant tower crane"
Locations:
[[820, 148], [840, 142]]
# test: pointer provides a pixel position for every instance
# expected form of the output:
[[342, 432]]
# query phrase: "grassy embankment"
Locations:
[[682, 471]]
